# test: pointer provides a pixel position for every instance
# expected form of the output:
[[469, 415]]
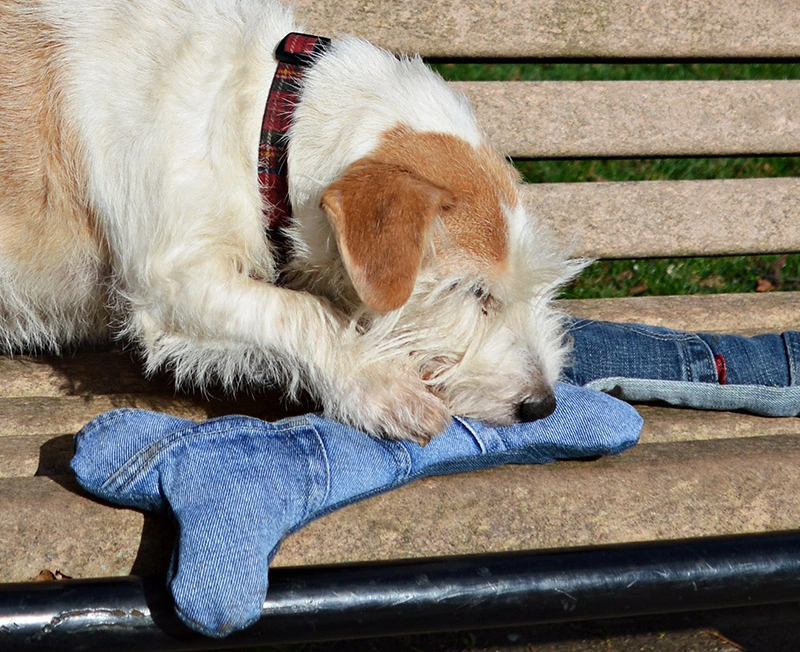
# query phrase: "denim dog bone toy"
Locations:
[[237, 485]]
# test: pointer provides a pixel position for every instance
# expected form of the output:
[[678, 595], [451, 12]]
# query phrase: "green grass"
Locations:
[[672, 169], [661, 276], [616, 72], [657, 276]]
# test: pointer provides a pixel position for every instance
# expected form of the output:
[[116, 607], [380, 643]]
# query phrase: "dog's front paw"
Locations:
[[389, 405]]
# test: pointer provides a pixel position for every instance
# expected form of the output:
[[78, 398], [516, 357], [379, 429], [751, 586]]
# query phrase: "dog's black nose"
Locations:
[[533, 410]]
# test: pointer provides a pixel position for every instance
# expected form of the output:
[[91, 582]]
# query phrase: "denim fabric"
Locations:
[[636, 362], [237, 485]]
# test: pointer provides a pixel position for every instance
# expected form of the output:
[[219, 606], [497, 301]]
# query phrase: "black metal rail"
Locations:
[[391, 598]]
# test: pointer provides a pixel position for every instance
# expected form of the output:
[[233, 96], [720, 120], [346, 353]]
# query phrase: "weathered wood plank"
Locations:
[[65, 415], [49, 524], [81, 374], [87, 374], [665, 424], [563, 28], [671, 218], [657, 491], [721, 313], [638, 118], [35, 454]]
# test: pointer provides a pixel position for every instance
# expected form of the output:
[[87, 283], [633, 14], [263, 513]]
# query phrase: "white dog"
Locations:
[[130, 205]]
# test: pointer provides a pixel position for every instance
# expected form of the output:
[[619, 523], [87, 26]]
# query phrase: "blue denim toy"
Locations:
[[237, 485]]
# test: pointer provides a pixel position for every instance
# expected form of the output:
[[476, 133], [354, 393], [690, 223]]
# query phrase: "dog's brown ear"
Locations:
[[382, 216]]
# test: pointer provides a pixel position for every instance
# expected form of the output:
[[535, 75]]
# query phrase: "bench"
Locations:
[[694, 475]]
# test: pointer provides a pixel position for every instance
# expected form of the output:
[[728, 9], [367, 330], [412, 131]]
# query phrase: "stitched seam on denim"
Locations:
[[98, 422], [691, 369], [471, 431], [791, 340], [326, 471], [697, 369], [138, 463], [144, 459], [668, 336], [401, 456], [641, 329], [703, 387]]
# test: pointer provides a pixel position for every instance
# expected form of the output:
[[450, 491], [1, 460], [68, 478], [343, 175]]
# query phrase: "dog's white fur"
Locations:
[[129, 206]]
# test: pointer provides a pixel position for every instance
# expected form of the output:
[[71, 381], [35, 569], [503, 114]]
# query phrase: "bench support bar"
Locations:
[[445, 594]]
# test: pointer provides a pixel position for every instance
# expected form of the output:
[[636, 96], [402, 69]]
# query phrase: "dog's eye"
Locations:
[[479, 292], [448, 205], [489, 303]]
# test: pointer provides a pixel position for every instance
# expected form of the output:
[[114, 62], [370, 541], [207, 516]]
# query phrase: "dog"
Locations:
[[416, 287]]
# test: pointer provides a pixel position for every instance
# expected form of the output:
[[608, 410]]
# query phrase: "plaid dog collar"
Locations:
[[294, 53]]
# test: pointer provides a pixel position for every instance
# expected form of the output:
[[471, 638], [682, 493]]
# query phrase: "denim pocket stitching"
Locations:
[[791, 340], [472, 431], [663, 335], [145, 458], [313, 503]]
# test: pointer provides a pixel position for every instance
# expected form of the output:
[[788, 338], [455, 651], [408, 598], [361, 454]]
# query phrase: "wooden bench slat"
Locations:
[[48, 524], [745, 313], [82, 374], [66, 415], [45, 454], [43, 377], [638, 118], [665, 424], [671, 218], [563, 28], [35, 454], [73, 376], [657, 491]]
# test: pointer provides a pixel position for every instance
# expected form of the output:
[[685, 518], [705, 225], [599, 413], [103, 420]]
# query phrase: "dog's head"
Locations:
[[426, 245]]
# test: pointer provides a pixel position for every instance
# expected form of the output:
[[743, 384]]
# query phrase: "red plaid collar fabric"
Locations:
[[295, 53]]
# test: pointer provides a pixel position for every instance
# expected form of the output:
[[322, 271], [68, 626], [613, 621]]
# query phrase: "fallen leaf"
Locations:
[[49, 576], [625, 275], [763, 285]]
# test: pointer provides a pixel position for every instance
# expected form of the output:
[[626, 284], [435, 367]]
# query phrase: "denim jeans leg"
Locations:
[[708, 371]]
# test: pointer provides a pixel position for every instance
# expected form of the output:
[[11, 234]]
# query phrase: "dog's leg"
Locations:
[[222, 323], [194, 278], [198, 300]]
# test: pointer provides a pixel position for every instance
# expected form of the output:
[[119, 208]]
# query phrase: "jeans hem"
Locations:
[[758, 399]]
